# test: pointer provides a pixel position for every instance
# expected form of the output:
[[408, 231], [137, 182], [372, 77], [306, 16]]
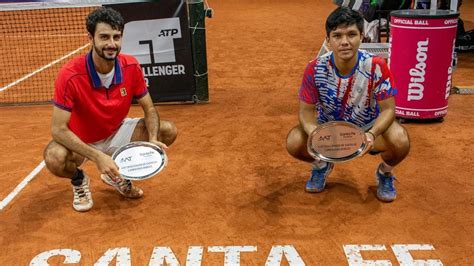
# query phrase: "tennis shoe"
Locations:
[[82, 196], [317, 181], [124, 187], [386, 189]]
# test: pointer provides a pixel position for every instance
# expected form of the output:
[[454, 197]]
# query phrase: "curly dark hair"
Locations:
[[344, 16], [104, 15]]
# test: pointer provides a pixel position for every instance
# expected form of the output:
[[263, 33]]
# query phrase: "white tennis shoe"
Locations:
[[82, 196]]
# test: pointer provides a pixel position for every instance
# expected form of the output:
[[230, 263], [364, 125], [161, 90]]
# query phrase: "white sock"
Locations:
[[319, 164], [385, 168]]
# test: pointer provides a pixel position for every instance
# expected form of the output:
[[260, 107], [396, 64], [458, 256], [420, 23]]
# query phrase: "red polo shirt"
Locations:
[[97, 112]]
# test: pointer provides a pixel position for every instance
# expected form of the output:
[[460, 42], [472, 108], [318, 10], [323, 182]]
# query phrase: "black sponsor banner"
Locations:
[[157, 34]]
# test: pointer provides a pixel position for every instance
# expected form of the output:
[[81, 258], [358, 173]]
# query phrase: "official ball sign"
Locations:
[[421, 59]]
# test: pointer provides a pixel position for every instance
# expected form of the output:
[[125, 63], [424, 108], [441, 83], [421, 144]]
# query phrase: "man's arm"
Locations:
[[152, 119], [64, 136], [386, 116], [308, 117]]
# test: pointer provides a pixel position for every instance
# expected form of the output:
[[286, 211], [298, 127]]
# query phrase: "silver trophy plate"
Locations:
[[140, 160], [337, 141]]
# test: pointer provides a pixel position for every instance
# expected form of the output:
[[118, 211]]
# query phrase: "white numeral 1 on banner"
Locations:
[[151, 41]]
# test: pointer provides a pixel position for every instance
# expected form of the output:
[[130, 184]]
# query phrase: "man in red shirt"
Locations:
[[93, 95]]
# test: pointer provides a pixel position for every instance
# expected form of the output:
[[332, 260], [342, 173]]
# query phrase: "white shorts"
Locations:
[[119, 138]]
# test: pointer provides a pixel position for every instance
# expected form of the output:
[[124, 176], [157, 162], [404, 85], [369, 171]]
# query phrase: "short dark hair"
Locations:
[[344, 16], [104, 15]]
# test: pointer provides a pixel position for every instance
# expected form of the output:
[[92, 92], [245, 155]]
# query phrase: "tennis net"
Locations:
[[36, 40]]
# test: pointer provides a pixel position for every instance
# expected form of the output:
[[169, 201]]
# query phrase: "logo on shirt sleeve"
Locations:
[[123, 92]]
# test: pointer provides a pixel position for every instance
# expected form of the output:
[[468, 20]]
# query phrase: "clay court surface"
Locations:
[[230, 181]]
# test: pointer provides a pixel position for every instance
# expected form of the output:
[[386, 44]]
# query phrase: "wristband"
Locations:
[[373, 135]]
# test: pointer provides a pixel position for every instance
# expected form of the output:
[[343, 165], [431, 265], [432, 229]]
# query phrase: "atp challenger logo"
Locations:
[[152, 44]]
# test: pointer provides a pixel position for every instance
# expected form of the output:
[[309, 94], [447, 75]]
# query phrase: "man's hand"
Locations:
[[106, 165], [370, 141], [309, 128], [159, 144]]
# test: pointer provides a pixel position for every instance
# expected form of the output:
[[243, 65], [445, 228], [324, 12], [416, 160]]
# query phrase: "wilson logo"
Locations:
[[417, 74], [450, 73]]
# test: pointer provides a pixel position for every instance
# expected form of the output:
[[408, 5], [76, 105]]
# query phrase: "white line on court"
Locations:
[[21, 186], [42, 68]]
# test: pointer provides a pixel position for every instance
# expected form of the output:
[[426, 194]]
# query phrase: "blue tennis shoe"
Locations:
[[386, 190], [317, 181]]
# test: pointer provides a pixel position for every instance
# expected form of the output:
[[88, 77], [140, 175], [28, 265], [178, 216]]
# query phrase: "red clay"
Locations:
[[230, 182]]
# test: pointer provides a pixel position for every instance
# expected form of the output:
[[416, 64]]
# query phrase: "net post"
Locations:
[[197, 15]]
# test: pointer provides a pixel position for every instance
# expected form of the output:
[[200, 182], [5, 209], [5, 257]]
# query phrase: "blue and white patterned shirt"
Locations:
[[352, 98]]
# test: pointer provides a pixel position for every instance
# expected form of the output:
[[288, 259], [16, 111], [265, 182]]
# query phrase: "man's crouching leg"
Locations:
[[63, 163], [394, 145]]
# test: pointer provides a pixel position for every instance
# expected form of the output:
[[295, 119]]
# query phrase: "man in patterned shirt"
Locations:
[[350, 85]]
